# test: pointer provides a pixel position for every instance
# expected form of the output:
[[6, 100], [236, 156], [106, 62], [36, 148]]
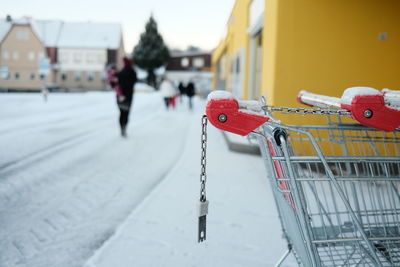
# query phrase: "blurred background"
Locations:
[[100, 111]]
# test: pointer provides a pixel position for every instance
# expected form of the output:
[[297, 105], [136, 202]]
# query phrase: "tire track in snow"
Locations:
[[24, 162], [154, 188], [65, 217], [39, 152], [55, 149], [60, 143], [57, 119], [31, 127]]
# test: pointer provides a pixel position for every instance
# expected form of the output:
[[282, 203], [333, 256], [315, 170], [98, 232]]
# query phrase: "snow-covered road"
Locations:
[[68, 181]]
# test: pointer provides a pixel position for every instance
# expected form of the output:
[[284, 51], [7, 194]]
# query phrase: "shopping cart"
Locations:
[[336, 186]]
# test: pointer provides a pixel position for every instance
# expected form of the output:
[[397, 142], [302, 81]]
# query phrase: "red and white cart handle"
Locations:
[[368, 106], [224, 113]]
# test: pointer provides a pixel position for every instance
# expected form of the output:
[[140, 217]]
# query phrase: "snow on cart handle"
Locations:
[[228, 114], [368, 106]]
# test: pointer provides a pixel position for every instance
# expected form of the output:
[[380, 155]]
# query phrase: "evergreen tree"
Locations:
[[151, 52]]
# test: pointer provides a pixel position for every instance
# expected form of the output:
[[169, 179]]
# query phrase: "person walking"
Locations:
[[167, 91], [45, 93], [113, 82], [126, 81], [190, 92], [182, 92]]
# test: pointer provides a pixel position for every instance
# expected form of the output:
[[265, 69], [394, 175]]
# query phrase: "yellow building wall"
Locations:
[[269, 62], [22, 64], [327, 46], [236, 39], [216, 56]]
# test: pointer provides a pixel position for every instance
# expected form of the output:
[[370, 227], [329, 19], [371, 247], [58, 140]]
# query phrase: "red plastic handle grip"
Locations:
[[224, 114], [368, 109], [371, 110]]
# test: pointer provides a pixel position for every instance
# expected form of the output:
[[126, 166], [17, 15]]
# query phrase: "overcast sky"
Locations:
[[181, 22]]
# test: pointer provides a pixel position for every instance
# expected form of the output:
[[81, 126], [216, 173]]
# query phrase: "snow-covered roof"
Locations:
[[189, 53], [4, 28], [5, 25], [90, 35], [48, 30], [57, 33]]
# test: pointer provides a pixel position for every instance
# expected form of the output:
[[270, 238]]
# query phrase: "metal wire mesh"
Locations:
[[338, 191]]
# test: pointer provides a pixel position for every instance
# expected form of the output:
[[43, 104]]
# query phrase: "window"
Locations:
[[64, 76], [32, 76], [22, 34], [15, 55], [90, 76], [31, 56], [64, 57], [90, 58], [6, 55], [42, 76], [103, 76], [77, 57], [198, 62], [8, 76], [77, 76], [16, 76], [100, 58], [185, 62], [383, 36]]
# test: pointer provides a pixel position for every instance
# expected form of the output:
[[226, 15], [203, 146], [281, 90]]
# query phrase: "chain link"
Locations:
[[306, 111], [203, 175]]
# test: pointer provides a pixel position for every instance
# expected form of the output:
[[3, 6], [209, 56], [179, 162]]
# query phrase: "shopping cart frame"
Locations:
[[296, 224], [336, 186]]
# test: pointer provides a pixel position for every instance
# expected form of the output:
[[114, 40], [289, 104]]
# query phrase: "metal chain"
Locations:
[[203, 175], [307, 111]]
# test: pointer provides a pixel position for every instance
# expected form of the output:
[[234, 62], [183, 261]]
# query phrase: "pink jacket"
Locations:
[[113, 81]]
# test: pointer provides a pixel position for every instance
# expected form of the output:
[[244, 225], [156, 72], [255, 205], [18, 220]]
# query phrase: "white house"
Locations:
[[78, 53]]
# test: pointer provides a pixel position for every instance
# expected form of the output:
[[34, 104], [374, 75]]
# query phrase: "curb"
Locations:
[[241, 147]]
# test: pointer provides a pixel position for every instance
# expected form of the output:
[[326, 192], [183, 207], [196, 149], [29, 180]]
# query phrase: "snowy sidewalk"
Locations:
[[243, 228]]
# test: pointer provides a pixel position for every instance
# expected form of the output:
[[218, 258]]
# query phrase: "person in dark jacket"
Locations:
[[190, 92], [126, 79], [182, 92]]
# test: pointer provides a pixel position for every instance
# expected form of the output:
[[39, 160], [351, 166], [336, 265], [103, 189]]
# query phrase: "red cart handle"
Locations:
[[368, 106], [371, 110], [224, 113]]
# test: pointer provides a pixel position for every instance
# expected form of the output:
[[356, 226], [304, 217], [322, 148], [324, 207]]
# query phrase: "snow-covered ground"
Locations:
[[74, 193]]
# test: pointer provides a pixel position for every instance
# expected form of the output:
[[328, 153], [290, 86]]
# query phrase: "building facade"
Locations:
[[192, 66], [20, 49], [277, 48], [81, 68], [78, 54]]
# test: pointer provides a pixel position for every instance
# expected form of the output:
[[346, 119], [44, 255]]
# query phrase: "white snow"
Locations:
[[389, 91], [143, 87], [246, 106], [320, 101], [252, 105], [71, 34], [48, 31], [90, 35], [72, 191], [220, 94], [351, 92], [392, 98]]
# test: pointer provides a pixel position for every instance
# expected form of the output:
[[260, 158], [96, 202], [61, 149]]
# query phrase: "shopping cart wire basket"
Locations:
[[336, 186]]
